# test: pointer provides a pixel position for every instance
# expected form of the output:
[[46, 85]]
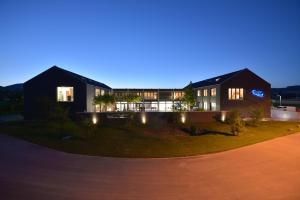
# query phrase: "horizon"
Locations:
[[150, 44]]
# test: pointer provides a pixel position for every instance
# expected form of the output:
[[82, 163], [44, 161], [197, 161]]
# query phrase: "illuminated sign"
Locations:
[[258, 93]]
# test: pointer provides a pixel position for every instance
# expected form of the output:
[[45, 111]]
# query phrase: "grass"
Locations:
[[145, 142]]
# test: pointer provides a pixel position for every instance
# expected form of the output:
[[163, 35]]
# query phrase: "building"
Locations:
[[237, 90], [241, 90], [73, 91]]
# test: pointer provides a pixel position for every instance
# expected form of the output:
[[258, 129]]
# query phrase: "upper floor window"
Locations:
[[65, 94], [178, 95], [213, 92], [198, 93], [235, 93], [150, 95], [99, 92], [205, 93]]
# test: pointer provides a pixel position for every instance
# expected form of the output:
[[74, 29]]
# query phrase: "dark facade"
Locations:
[[241, 90], [44, 87]]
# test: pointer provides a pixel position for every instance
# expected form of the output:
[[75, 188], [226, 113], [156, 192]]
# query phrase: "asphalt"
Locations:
[[268, 170]]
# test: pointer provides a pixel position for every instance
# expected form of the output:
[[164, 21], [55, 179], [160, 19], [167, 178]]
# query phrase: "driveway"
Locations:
[[268, 170]]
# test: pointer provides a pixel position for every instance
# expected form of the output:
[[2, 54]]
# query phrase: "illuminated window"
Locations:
[[213, 92], [99, 92], [213, 106], [65, 94], [97, 108], [205, 92], [235, 93], [199, 93], [178, 95], [205, 105], [150, 95]]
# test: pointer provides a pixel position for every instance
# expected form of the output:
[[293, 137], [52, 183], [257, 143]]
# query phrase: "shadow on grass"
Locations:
[[207, 132]]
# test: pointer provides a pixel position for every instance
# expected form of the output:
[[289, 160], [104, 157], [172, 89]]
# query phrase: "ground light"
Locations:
[[183, 118], [94, 119], [223, 116], [144, 120]]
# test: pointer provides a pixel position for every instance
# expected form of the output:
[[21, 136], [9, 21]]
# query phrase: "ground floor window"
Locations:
[[65, 94], [205, 105], [213, 106]]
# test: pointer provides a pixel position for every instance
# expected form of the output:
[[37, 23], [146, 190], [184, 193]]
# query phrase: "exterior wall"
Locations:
[[209, 99], [45, 86], [248, 81], [90, 94], [151, 117]]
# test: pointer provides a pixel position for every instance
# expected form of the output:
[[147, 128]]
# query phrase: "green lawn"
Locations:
[[145, 142]]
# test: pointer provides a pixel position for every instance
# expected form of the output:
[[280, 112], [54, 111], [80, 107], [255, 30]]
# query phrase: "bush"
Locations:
[[235, 122], [256, 116], [88, 129]]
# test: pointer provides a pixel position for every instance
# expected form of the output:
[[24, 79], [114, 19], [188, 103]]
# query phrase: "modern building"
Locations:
[[237, 90], [241, 90], [73, 91]]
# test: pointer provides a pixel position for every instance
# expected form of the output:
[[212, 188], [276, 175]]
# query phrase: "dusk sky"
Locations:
[[157, 44]]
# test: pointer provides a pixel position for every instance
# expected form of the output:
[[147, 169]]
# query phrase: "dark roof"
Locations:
[[216, 80], [82, 78]]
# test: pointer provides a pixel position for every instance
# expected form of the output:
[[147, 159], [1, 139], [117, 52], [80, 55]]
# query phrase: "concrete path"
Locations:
[[269, 170]]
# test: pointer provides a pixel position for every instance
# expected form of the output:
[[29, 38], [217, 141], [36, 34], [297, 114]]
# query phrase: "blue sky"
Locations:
[[126, 43]]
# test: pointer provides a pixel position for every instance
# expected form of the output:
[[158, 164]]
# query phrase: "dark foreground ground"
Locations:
[[268, 170]]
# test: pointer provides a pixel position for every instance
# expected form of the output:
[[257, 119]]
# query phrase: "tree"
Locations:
[[189, 98], [104, 100], [235, 122], [256, 116]]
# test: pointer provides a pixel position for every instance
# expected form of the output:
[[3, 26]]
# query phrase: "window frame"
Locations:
[[72, 94]]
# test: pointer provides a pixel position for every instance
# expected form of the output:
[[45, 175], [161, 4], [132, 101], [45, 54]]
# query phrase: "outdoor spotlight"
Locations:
[[143, 118], [94, 119], [223, 116], [183, 118]]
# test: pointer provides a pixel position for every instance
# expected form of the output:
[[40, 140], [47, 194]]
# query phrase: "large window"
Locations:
[[213, 106], [150, 95], [65, 94], [213, 92], [205, 93], [205, 105], [199, 93], [99, 92], [235, 93], [178, 95]]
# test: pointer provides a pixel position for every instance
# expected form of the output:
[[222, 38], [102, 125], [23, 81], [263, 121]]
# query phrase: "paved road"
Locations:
[[269, 170]]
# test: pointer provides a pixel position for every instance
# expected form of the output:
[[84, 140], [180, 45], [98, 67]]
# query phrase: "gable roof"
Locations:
[[216, 80], [76, 76], [82, 78]]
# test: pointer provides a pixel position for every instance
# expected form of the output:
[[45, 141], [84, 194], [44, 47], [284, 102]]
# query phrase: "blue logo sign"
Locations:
[[258, 93]]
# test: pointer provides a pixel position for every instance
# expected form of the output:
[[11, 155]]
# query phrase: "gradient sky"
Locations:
[[126, 43]]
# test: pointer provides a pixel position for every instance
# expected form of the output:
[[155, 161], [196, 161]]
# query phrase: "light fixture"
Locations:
[[144, 118], [223, 116], [183, 118], [94, 119]]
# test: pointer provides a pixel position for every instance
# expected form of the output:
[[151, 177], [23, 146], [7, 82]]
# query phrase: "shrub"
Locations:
[[256, 116], [235, 122], [88, 129]]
